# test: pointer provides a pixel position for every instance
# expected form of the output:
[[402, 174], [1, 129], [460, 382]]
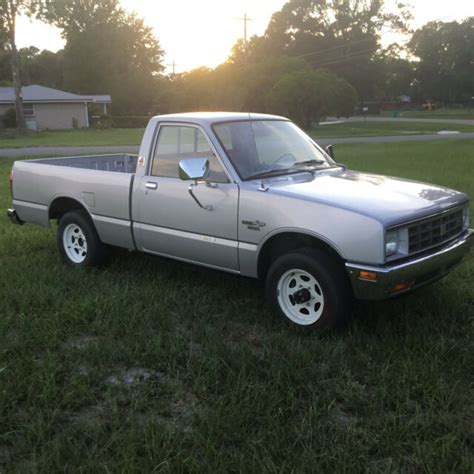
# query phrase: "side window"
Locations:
[[177, 143]]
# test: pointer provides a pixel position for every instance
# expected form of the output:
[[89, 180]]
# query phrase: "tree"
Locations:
[[306, 96], [9, 9], [42, 67], [340, 35], [445, 69], [108, 51]]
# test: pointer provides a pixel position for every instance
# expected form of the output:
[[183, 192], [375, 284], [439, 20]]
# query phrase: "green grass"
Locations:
[[230, 387], [133, 136], [373, 129], [82, 137]]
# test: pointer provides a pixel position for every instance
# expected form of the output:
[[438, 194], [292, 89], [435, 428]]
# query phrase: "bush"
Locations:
[[9, 118], [306, 96], [130, 121], [101, 122]]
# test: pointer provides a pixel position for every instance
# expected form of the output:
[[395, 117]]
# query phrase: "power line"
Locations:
[[347, 58], [319, 51]]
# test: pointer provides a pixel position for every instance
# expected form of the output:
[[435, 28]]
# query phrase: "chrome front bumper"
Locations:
[[412, 273], [13, 216]]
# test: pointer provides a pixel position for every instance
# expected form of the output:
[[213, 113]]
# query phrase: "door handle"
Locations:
[[151, 185]]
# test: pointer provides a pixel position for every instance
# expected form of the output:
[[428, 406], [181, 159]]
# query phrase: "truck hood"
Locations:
[[389, 200]]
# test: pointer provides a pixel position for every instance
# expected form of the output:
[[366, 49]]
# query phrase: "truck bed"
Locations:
[[100, 183], [120, 163]]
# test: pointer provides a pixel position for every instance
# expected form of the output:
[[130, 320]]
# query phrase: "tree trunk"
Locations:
[[20, 115], [15, 62]]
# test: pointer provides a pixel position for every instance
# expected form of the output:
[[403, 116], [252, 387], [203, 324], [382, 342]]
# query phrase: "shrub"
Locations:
[[101, 122], [130, 121], [9, 118]]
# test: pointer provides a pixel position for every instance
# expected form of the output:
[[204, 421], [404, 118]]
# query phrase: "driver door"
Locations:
[[170, 221]]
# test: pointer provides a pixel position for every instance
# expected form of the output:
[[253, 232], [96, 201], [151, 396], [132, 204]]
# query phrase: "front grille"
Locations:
[[435, 230]]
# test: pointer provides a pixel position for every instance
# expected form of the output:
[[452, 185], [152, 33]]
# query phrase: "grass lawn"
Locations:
[[149, 364], [82, 137], [372, 129], [133, 136]]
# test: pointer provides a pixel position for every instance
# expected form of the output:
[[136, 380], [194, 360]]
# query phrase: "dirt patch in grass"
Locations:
[[133, 376], [80, 342]]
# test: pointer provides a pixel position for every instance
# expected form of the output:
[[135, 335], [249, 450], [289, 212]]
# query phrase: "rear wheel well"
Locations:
[[63, 205], [287, 242]]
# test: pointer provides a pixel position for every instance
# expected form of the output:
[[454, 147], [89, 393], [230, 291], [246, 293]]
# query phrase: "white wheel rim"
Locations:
[[75, 243], [300, 297]]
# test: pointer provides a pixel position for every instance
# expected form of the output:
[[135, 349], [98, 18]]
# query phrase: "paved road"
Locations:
[[91, 150], [398, 138], [331, 120]]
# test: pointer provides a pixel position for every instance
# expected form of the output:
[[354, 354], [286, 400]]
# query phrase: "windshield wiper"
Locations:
[[270, 173], [309, 162]]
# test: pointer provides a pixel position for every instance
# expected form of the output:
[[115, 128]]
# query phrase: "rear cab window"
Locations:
[[181, 142]]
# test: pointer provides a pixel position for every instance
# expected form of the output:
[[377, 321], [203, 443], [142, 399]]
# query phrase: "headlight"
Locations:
[[391, 242]]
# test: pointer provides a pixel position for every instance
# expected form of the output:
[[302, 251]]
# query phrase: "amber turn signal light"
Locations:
[[401, 286], [369, 276]]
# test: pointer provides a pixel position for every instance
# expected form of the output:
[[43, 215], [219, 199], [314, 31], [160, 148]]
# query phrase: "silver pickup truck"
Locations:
[[254, 195]]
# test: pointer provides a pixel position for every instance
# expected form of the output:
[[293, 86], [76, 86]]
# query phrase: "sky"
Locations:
[[196, 33]]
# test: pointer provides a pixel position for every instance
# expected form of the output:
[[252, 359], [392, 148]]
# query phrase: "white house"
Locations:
[[47, 108]]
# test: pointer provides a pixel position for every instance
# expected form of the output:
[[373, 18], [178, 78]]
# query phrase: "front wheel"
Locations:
[[310, 289], [78, 241]]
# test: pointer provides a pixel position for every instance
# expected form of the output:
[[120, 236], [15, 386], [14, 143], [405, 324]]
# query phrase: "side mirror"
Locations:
[[330, 151], [193, 168]]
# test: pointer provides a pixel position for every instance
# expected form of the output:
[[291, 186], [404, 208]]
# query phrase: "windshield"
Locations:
[[269, 147]]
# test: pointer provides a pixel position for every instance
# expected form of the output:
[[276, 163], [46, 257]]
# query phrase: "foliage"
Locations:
[[126, 63], [280, 85], [109, 51], [9, 118], [340, 35], [393, 74], [130, 121], [9, 10], [101, 121], [445, 69], [305, 96]]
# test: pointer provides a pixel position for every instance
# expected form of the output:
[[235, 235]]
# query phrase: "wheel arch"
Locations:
[[290, 240], [61, 205]]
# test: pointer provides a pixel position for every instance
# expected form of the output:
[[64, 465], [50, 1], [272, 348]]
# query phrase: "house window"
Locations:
[[28, 110]]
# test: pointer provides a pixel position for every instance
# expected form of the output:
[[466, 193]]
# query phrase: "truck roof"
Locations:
[[214, 117]]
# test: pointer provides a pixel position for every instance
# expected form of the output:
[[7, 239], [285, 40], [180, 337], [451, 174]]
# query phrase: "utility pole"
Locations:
[[245, 19], [173, 65]]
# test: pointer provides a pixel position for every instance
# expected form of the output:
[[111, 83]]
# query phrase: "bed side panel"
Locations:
[[104, 194]]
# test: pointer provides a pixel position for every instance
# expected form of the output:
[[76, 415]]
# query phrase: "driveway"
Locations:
[[93, 150]]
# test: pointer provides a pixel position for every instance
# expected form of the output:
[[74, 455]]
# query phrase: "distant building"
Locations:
[[47, 108]]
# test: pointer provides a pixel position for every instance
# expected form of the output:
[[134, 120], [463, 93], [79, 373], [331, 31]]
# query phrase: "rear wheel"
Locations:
[[78, 241], [310, 289]]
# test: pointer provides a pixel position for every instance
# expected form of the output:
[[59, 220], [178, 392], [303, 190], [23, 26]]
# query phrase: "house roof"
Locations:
[[36, 93]]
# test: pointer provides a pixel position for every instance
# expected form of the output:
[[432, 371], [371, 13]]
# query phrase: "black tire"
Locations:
[[95, 251], [332, 292]]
